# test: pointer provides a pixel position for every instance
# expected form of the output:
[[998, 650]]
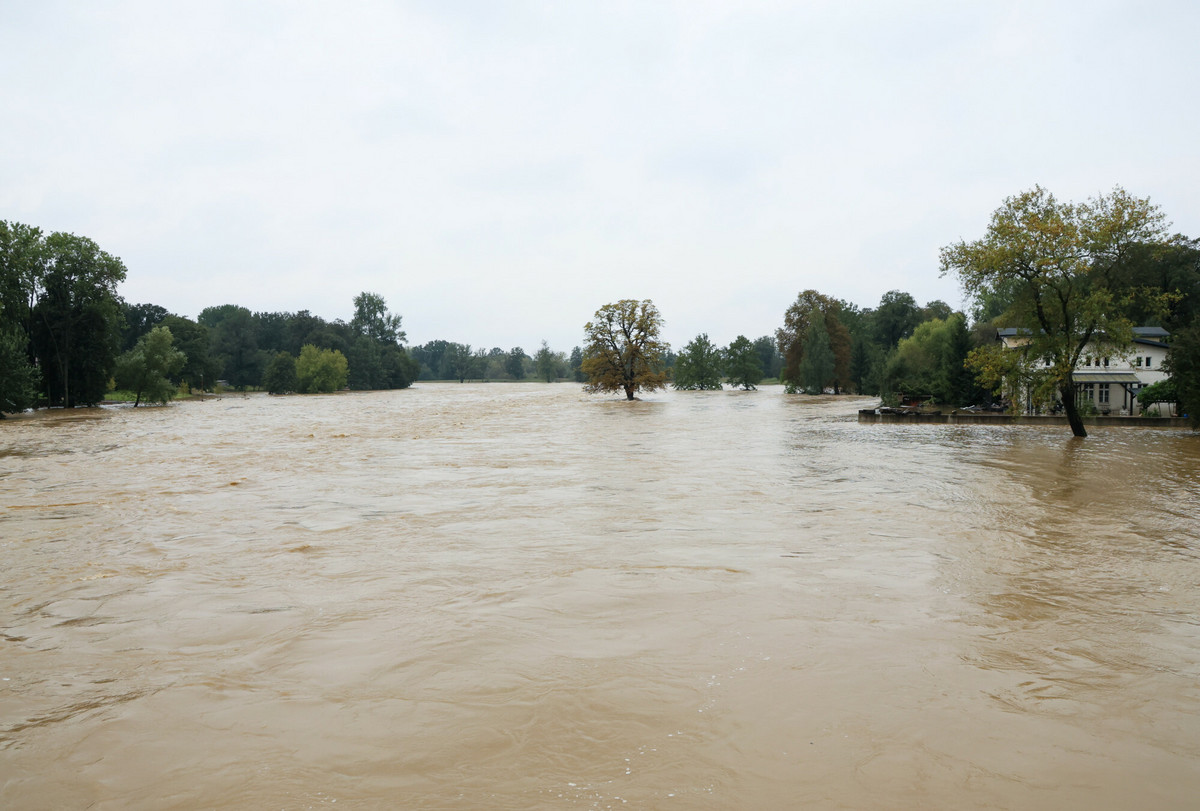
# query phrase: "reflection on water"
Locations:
[[518, 596]]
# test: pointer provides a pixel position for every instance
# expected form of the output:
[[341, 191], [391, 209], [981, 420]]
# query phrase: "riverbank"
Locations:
[[869, 415]]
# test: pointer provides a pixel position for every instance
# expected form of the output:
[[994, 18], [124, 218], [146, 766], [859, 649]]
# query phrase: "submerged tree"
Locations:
[[743, 362], [792, 339], [76, 323], [1183, 364], [280, 376], [321, 370], [817, 365], [548, 363], [18, 377], [147, 368], [698, 366], [623, 351], [1061, 267]]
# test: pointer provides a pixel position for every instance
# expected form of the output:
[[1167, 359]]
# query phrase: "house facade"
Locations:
[[1110, 382]]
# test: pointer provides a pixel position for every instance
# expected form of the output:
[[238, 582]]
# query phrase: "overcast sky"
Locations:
[[499, 170]]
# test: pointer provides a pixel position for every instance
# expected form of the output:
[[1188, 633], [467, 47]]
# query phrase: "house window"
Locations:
[[1139, 361], [1106, 363], [1103, 398], [1089, 391], [1147, 361]]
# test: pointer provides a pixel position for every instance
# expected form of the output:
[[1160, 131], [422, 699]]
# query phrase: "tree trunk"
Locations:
[[629, 390], [1067, 392]]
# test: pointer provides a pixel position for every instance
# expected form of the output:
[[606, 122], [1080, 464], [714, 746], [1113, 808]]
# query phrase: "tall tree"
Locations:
[[547, 362], [817, 365], [743, 362], [623, 350], [372, 319], [514, 364], [575, 364], [1063, 264], [23, 266], [699, 366], [147, 368], [200, 370], [1183, 364], [77, 320], [460, 361], [896, 317], [769, 359], [234, 343], [18, 377], [139, 319], [793, 335]]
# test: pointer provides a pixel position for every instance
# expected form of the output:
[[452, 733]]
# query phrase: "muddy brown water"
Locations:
[[518, 596]]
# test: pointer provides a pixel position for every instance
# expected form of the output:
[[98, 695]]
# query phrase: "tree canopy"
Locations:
[[793, 337], [743, 361], [698, 366], [1063, 269], [320, 370], [818, 363], [932, 361], [147, 368], [623, 351]]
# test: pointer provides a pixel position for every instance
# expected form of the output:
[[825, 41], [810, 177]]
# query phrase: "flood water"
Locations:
[[518, 596]]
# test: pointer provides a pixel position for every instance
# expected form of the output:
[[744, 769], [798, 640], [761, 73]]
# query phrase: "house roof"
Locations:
[[1105, 377], [1139, 333]]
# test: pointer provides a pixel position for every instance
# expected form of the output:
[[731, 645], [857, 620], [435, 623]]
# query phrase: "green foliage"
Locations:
[[868, 362], [514, 363], [321, 370], [792, 339], [1183, 364], [460, 362], [933, 361], [698, 366], [139, 319], [18, 377], [769, 360], [549, 364], [200, 370], [818, 363], [145, 370], [743, 362], [23, 258], [624, 352], [372, 319], [895, 318], [1063, 270], [76, 323], [234, 343], [280, 376], [1163, 391], [575, 363]]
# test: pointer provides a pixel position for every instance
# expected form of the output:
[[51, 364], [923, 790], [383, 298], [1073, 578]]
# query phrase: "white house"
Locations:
[[1110, 382]]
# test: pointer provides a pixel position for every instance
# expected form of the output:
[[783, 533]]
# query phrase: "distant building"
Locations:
[[1110, 382]]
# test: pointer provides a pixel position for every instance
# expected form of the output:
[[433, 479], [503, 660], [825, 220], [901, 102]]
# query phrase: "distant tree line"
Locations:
[[67, 337], [1069, 273]]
